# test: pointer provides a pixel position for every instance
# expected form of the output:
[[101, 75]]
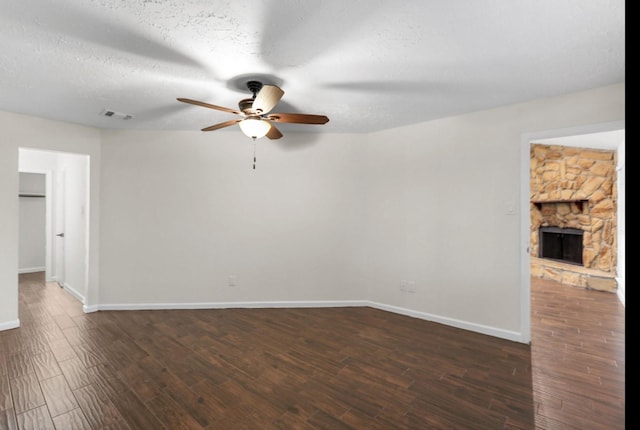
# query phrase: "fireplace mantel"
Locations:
[[578, 202]]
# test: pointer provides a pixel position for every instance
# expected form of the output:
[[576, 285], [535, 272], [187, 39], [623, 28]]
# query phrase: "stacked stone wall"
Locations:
[[576, 188]]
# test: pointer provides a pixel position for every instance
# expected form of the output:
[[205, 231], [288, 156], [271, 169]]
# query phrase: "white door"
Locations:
[[60, 228]]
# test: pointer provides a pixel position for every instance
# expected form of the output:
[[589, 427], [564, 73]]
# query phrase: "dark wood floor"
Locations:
[[328, 368]]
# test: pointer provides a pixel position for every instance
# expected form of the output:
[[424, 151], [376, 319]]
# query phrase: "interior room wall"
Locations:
[[324, 218], [184, 212], [439, 209], [32, 216], [32, 183]]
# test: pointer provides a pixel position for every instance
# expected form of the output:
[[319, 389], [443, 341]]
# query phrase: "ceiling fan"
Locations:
[[255, 121]]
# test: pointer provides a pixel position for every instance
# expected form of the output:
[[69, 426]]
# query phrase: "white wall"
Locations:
[[324, 218], [32, 183], [32, 216], [9, 230], [183, 211], [438, 210]]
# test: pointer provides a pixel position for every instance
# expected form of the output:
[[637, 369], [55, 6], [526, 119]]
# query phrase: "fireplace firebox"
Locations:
[[561, 244]]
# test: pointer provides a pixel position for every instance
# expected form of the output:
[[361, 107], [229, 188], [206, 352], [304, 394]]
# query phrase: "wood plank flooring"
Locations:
[[326, 368]]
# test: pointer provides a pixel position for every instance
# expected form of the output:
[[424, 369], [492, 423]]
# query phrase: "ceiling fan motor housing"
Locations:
[[246, 106]]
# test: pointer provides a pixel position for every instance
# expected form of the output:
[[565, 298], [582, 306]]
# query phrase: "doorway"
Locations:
[[67, 220], [32, 209], [609, 136]]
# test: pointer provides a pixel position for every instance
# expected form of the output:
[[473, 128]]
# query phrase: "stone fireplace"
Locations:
[[573, 216], [562, 244]]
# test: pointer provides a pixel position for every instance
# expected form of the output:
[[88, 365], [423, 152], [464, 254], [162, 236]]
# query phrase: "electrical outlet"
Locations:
[[232, 280]]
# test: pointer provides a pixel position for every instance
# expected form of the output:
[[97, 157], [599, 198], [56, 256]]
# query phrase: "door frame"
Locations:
[[57, 209], [525, 217]]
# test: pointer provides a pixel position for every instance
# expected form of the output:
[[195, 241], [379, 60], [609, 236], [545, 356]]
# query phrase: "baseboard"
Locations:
[[478, 328], [465, 325], [31, 270], [75, 293], [89, 309], [9, 325], [229, 305], [620, 290]]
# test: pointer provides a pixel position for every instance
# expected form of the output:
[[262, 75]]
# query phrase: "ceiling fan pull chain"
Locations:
[[254, 153]]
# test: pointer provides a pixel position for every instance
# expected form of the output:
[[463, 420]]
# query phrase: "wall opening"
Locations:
[[561, 244]]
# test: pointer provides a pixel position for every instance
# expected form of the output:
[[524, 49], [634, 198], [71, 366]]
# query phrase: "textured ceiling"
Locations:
[[366, 64]]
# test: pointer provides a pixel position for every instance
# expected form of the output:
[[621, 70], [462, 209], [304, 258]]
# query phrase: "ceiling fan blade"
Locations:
[[267, 98], [221, 125], [207, 105], [274, 133], [298, 118]]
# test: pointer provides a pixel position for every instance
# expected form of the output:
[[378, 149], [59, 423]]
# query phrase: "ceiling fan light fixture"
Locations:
[[254, 128], [258, 120]]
